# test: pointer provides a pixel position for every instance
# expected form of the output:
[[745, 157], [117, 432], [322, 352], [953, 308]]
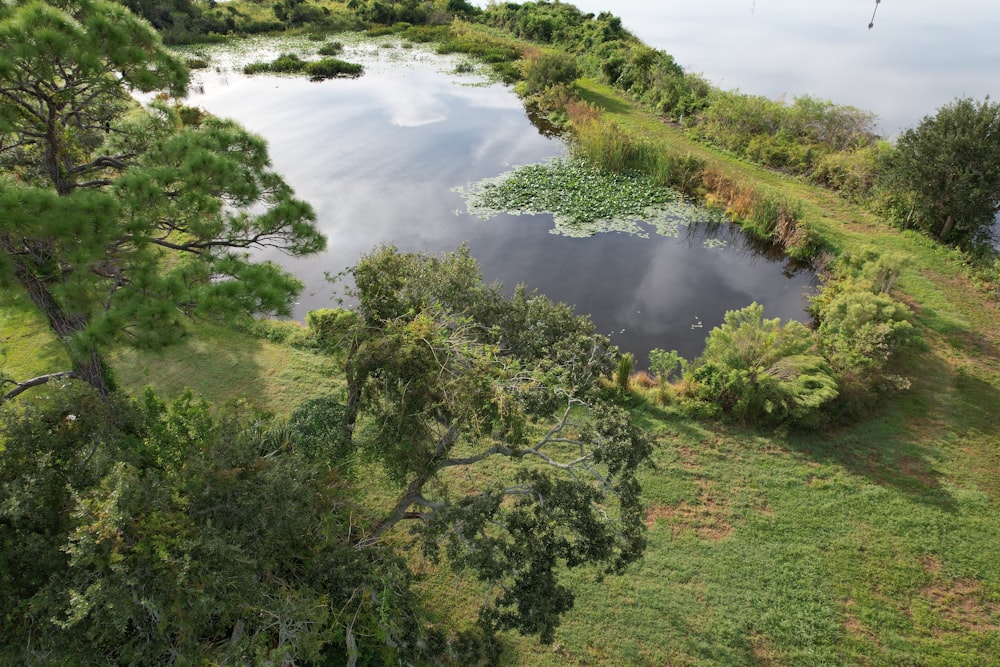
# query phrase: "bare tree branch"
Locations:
[[21, 387]]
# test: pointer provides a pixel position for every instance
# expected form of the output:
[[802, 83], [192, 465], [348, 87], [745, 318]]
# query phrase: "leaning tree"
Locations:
[[487, 415], [119, 222]]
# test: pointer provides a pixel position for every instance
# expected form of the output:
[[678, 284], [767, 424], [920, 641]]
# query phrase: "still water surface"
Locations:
[[379, 156]]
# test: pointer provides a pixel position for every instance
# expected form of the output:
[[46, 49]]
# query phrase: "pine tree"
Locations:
[[118, 223]]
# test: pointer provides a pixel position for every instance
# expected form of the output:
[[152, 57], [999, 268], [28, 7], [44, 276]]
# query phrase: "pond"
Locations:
[[380, 157]]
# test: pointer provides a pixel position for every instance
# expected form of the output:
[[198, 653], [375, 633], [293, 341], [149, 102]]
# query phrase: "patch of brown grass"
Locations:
[[960, 602], [644, 379], [763, 651], [581, 112], [735, 197], [708, 518]]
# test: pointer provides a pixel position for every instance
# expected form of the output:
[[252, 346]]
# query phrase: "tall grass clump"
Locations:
[[290, 63], [607, 146], [329, 68], [773, 220], [331, 49], [623, 372]]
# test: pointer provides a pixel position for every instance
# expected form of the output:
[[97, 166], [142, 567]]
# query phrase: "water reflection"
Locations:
[[378, 157]]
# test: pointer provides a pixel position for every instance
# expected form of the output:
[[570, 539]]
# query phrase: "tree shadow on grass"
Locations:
[[901, 445], [207, 363], [607, 103]]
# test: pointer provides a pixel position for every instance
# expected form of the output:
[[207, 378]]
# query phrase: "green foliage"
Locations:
[[319, 431], [794, 137], [852, 173], [623, 372], [317, 70], [446, 374], [761, 371], [609, 147], [862, 329], [555, 23], [92, 214], [549, 69], [329, 68], [145, 533], [664, 364], [286, 63], [298, 12], [331, 49], [583, 199], [773, 221], [331, 328], [499, 52], [946, 172]]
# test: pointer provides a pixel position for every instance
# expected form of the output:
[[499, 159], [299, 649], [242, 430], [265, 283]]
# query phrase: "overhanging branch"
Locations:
[[21, 387]]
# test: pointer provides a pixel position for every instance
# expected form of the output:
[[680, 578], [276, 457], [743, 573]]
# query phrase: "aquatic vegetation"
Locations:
[[290, 63], [356, 47], [331, 49], [584, 200]]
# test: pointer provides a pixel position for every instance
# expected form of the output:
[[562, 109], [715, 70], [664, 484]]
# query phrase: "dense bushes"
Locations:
[[796, 136], [760, 371], [793, 137], [549, 69], [132, 532]]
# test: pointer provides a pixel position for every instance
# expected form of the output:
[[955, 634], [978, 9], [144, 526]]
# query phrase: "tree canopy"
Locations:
[[119, 222], [445, 374], [133, 532], [948, 171], [142, 532]]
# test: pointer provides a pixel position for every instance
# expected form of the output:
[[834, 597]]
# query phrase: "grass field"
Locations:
[[871, 544]]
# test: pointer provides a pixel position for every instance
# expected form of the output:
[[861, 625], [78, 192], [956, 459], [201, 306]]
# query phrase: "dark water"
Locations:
[[378, 158]]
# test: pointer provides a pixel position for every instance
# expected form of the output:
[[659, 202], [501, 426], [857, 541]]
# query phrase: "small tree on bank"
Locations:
[[948, 171]]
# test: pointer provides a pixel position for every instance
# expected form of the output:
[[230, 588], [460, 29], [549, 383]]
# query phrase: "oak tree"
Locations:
[[450, 379]]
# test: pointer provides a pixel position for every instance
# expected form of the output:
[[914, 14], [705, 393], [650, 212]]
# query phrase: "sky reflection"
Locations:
[[379, 156]]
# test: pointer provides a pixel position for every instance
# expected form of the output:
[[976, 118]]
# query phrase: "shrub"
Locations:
[[319, 432], [760, 371], [665, 364], [330, 327], [331, 49], [862, 330], [548, 70], [623, 372]]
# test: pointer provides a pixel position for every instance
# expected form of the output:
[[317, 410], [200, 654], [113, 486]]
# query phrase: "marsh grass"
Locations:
[[331, 49], [291, 63]]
